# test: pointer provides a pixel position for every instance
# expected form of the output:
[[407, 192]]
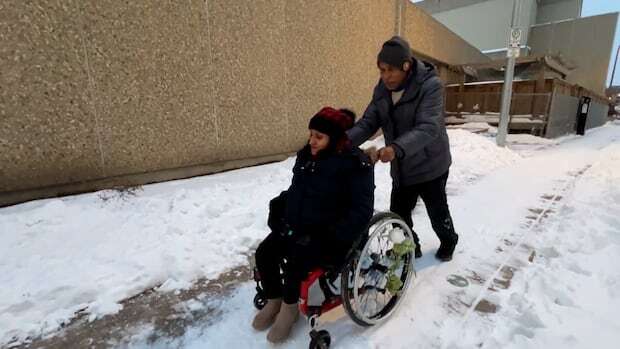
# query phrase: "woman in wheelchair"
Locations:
[[316, 221]]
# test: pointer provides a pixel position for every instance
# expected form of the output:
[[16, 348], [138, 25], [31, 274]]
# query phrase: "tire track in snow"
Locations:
[[479, 303]]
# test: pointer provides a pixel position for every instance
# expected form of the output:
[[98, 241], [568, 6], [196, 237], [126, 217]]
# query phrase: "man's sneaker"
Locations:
[[446, 249]]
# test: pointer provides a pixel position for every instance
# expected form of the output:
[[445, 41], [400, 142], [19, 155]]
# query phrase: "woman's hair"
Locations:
[[350, 114]]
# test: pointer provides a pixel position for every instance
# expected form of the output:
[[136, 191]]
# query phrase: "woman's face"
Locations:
[[318, 141]]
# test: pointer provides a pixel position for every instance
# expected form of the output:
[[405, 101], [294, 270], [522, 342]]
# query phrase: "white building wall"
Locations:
[[585, 44], [486, 25], [551, 11]]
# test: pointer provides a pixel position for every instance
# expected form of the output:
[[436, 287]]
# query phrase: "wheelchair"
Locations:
[[373, 280]]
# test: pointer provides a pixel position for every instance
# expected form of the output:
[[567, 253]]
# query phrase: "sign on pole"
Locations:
[[514, 43], [515, 37]]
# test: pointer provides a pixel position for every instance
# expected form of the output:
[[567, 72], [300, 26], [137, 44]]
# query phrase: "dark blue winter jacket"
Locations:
[[331, 197]]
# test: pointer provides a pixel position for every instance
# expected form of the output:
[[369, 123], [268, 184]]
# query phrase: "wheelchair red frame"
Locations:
[[379, 227]]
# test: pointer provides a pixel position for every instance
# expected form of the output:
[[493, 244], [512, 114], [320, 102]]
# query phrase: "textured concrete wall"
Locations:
[[431, 38], [434, 6], [484, 24], [586, 43], [597, 115], [332, 50], [562, 115], [549, 11], [98, 89], [105, 90]]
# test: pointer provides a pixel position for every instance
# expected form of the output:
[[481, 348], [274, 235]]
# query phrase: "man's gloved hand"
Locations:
[[387, 154], [372, 154]]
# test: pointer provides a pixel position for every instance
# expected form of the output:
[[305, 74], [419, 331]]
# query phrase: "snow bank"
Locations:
[[88, 252], [474, 156]]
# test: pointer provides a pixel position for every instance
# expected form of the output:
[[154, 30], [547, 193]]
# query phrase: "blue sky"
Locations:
[[598, 7]]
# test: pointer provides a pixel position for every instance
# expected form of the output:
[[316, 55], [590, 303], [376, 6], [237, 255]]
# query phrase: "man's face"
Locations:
[[391, 76]]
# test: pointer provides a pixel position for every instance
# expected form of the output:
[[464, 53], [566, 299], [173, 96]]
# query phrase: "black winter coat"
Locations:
[[415, 124], [331, 198]]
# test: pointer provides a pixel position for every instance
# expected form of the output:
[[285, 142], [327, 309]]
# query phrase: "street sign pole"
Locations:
[[504, 118], [514, 44]]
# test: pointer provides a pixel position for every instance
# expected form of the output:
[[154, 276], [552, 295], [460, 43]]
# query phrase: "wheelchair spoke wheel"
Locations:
[[320, 340], [259, 301], [375, 283]]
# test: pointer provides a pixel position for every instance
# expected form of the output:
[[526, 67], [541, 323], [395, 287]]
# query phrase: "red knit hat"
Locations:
[[334, 123]]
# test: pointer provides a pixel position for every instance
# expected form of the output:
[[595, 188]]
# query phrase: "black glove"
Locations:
[[277, 209]]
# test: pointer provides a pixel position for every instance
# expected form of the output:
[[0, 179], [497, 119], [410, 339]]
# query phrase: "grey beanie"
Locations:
[[395, 52]]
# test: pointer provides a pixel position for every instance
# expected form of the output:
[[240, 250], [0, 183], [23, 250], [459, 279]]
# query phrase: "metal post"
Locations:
[[613, 71], [512, 51], [504, 118], [399, 17]]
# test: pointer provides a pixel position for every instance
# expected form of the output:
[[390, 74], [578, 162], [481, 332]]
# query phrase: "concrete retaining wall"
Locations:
[[101, 93], [563, 115], [585, 43], [597, 116]]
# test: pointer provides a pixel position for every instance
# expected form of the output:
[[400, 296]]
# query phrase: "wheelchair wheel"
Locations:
[[374, 283], [320, 340], [259, 301]]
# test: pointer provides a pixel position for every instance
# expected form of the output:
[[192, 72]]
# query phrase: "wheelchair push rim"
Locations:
[[372, 301]]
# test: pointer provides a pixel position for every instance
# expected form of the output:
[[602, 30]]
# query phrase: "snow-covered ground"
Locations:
[[540, 216]]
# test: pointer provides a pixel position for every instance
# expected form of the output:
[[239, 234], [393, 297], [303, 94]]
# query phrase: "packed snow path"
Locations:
[[535, 266], [535, 263]]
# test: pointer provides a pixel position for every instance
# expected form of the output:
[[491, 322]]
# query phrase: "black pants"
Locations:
[[301, 255], [581, 124], [433, 193]]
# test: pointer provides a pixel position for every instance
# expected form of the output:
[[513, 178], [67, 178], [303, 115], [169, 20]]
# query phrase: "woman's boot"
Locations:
[[284, 323], [267, 315]]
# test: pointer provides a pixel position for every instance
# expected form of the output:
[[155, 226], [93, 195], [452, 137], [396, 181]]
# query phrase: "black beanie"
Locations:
[[326, 126], [332, 122], [395, 52]]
